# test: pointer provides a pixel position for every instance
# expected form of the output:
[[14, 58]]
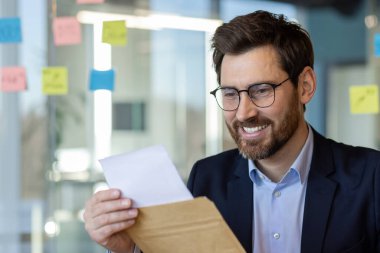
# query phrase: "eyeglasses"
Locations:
[[261, 94]]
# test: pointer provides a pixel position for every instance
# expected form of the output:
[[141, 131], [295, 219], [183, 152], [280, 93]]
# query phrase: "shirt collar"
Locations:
[[300, 166]]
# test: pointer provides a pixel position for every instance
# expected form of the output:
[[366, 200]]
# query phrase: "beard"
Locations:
[[279, 136]]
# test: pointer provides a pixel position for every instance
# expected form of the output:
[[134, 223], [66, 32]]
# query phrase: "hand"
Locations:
[[107, 216]]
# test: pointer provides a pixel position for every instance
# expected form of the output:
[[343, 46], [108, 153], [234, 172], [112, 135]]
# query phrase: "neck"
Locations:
[[275, 166]]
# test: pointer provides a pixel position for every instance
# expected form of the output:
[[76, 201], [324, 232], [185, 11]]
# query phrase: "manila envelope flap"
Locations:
[[192, 226]]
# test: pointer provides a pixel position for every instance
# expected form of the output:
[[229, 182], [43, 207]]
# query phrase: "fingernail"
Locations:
[[115, 193], [126, 202]]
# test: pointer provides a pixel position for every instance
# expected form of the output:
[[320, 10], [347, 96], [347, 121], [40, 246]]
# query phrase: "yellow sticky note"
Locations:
[[54, 81], [114, 33], [364, 99]]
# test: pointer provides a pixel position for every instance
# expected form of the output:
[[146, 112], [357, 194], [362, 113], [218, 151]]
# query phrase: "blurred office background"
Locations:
[[49, 145]]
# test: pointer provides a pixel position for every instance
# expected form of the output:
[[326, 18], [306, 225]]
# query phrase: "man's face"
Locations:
[[260, 132]]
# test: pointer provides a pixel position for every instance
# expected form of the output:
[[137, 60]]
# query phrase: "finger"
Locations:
[[101, 196], [105, 195], [102, 202], [110, 206], [112, 218], [102, 234]]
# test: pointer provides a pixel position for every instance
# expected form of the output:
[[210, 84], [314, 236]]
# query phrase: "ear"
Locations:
[[306, 85]]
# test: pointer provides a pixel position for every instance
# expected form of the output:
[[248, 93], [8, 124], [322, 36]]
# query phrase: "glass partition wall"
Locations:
[[162, 76], [50, 145]]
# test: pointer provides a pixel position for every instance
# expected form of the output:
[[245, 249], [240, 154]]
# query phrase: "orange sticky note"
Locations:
[[13, 79], [55, 81], [114, 33], [90, 1], [66, 31]]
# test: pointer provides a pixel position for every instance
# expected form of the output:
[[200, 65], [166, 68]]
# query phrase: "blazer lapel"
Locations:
[[239, 194], [319, 197]]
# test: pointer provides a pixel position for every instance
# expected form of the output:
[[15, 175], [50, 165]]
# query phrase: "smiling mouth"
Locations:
[[251, 130]]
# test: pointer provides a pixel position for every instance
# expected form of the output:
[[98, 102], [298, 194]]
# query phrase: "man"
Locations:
[[286, 188]]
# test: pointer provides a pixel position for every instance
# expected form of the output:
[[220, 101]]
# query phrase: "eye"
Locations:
[[228, 93], [260, 90]]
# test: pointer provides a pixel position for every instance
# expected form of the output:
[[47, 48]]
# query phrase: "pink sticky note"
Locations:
[[13, 79], [90, 1], [66, 31]]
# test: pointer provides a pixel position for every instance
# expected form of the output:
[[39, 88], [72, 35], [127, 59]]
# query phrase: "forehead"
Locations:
[[256, 65]]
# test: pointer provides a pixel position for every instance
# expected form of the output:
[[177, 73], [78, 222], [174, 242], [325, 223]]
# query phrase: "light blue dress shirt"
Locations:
[[278, 207]]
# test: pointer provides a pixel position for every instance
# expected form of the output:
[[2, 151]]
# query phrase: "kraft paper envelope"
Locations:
[[192, 226]]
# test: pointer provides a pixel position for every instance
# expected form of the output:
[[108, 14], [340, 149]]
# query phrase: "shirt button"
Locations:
[[276, 236], [277, 194]]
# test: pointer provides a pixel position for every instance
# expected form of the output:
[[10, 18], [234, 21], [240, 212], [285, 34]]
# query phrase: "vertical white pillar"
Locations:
[[102, 98]]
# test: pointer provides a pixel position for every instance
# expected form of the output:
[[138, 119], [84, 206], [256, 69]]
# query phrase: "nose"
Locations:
[[247, 109]]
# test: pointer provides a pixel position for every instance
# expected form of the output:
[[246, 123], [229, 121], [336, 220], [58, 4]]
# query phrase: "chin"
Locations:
[[254, 153]]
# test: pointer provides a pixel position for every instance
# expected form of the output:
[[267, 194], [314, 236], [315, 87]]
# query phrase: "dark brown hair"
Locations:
[[261, 28]]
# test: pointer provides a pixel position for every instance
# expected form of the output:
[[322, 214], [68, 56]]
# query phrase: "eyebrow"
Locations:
[[249, 85]]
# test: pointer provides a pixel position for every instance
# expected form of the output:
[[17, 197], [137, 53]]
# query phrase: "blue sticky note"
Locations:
[[102, 80], [377, 44], [10, 30]]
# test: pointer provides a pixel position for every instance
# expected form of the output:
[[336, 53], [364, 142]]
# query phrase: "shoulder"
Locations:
[[338, 150], [346, 153], [349, 165], [355, 161]]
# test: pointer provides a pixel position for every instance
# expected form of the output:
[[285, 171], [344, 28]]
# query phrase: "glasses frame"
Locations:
[[274, 87]]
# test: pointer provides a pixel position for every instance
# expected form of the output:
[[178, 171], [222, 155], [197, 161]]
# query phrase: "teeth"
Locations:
[[251, 130]]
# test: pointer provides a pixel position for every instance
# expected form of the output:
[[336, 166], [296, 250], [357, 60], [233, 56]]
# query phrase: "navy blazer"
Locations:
[[342, 205]]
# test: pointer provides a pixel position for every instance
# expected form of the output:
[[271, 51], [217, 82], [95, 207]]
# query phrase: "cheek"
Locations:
[[279, 110], [275, 114]]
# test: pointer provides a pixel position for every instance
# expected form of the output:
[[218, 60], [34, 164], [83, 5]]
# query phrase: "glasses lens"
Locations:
[[261, 95], [228, 99]]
